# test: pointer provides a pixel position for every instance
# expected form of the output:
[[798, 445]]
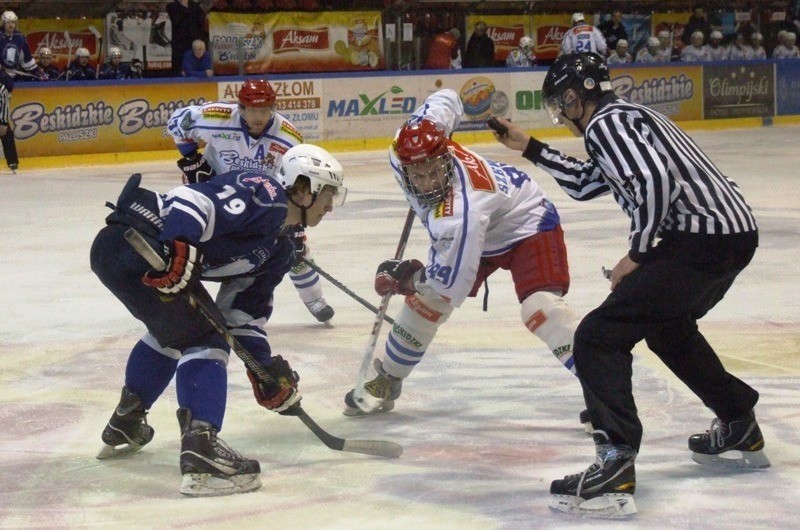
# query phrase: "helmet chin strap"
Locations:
[[576, 121], [303, 209]]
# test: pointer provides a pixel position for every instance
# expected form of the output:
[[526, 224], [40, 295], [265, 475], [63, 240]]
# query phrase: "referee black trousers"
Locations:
[[660, 302]]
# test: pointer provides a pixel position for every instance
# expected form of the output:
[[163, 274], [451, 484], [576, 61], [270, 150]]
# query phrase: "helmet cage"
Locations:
[[429, 181]]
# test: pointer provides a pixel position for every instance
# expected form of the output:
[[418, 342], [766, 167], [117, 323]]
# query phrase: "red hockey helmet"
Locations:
[[425, 162], [256, 93]]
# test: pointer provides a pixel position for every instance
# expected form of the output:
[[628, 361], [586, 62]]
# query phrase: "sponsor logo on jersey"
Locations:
[[271, 189], [445, 208], [226, 136], [287, 128], [278, 148], [478, 174], [269, 161], [422, 310], [216, 113]]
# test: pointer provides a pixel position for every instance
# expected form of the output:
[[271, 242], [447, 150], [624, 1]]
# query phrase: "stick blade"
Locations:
[[374, 447]]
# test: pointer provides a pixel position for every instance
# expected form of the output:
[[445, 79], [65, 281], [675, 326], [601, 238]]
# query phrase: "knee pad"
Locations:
[[412, 333], [549, 317]]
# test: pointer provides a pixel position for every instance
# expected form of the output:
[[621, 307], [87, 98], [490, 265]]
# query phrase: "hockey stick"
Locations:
[[344, 288], [370, 447], [99, 37], [359, 393]]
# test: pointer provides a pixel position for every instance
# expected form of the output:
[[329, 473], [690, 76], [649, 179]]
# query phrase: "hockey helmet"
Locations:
[[526, 42], [578, 17], [114, 53], [82, 52], [9, 16], [716, 35], [45, 52], [256, 93], [585, 73], [757, 37], [323, 171], [653, 42], [425, 161]]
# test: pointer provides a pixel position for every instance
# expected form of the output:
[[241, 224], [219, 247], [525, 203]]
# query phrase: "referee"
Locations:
[[691, 233], [6, 131]]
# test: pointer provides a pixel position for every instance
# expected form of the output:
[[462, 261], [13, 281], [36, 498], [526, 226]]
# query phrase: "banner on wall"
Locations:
[[504, 30], [788, 87], [672, 22], [671, 90], [298, 100], [63, 37], [549, 32], [142, 35], [75, 120], [746, 90], [292, 41]]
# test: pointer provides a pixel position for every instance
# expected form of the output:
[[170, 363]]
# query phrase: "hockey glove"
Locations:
[[195, 168], [278, 395], [297, 235], [183, 265], [397, 277]]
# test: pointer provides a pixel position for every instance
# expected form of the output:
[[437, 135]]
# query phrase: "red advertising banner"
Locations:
[[63, 37], [291, 42], [550, 31]]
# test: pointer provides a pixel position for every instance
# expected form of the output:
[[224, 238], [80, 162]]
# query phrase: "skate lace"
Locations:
[[717, 433]]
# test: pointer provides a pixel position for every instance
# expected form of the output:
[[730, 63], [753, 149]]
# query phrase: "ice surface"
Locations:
[[487, 420]]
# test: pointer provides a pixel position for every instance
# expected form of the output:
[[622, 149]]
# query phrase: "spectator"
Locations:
[[696, 51], [716, 51], [758, 46], [739, 51], [188, 24], [698, 21], [786, 48], [651, 53], [480, 48], [45, 63], [197, 61], [116, 69], [80, 69], [613, 30], [620, 55], [443, 52], [522, 57], [583, 37]]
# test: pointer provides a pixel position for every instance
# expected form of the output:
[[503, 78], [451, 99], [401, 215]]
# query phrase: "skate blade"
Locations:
[[734, 460], [608, 506], [117, 451], [207, 485], [355, 412]]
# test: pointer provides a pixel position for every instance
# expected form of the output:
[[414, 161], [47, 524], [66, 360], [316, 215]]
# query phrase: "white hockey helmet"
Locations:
[[9, 16], [321, 169], [526, 42], [757, 37], [653, 42], [45, 52], [716, 35], [663, 34], [82, 52], [791, 36], [578, 17], [114, 53]]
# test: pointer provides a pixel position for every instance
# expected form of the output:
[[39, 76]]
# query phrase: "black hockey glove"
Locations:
[[183, 265], [397, 277], [195, 168], [297, 235], [281, 393]]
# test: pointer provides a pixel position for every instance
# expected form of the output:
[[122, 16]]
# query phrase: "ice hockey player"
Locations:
[[226, 230], [114, 68], [16, 57], [481, 216], [248, 135], [80, 69]]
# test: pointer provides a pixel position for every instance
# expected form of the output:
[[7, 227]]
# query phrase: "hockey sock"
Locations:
[[549, 317], [202, 384], [306, 281], [150, 369]]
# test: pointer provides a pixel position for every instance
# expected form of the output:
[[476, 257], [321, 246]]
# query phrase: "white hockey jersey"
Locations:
[[691, 54], [644, 56], [718, 53], [490, 207], [584, 38], [782, 51], [228, 144], [736, 53]]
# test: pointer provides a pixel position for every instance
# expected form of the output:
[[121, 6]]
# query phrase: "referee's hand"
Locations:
[[624, 267], [515, 139]]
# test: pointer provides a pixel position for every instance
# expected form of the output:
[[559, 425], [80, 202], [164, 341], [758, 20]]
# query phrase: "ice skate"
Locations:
[[127, 431], [605, 489], [209, 466], [13, 168], [738, 444], [320, 309], [379, 397]]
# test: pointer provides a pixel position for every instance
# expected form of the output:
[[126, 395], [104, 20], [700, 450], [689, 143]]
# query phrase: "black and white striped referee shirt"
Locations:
[[5, 105], [657, 174]]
